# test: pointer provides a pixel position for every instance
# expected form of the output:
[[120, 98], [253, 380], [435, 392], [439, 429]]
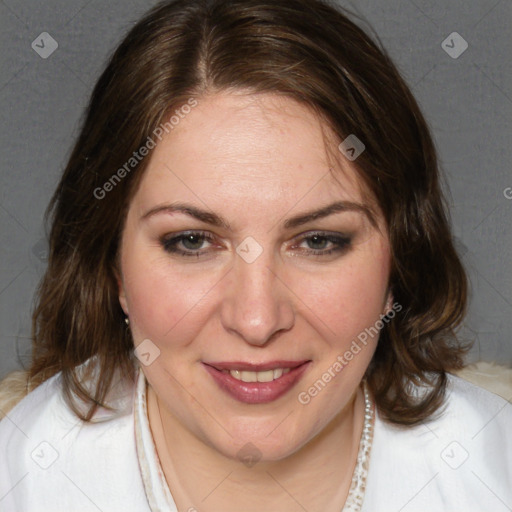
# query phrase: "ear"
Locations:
[[121, 292]]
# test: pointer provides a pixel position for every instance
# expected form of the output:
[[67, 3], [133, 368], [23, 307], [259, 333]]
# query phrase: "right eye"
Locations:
[[189, 243]]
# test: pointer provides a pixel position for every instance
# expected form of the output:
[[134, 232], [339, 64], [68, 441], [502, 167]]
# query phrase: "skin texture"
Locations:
[[256, 161]]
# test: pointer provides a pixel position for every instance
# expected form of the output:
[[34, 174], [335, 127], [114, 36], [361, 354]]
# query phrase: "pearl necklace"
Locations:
[[358, 486]]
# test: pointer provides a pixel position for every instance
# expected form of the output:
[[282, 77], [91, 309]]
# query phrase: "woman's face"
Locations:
[[242, 251]]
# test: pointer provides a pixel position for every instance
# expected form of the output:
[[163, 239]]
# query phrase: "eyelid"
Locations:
[[323, 234], [339, 242], [187, 232], [170, 241]]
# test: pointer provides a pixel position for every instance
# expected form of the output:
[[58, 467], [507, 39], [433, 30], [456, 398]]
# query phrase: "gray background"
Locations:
[[467, 101]]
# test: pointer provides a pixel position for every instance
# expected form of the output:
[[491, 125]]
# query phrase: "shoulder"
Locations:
[[459, 460], [491, 376], [469, 406], [13, 387], [51, 460], [29, 414]]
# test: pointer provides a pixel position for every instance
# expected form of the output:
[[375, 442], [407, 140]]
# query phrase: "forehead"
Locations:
[[235, 148]]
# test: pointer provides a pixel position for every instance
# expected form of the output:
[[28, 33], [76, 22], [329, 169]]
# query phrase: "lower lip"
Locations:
[[257, 392]]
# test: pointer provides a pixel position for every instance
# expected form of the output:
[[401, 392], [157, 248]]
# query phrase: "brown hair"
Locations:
[[306, 50]]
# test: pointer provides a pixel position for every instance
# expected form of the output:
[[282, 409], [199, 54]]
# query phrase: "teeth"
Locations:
[[278, 372], [266, 376]]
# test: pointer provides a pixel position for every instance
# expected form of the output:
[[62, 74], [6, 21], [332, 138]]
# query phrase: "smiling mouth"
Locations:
[[265, 376], [257, 383]]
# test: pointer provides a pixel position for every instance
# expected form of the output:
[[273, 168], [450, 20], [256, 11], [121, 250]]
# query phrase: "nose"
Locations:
[[257, 305]]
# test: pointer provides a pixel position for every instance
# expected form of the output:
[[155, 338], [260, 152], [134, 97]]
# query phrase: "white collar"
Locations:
[[155, 485]]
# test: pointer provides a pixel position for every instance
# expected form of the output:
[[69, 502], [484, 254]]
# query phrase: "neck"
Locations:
[[316, 477]]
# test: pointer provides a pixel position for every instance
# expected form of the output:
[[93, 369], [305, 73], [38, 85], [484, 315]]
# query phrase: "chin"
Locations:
[[263, 443]]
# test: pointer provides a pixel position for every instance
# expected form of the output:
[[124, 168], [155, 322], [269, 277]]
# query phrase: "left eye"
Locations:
[[317, 242], [323, 243]]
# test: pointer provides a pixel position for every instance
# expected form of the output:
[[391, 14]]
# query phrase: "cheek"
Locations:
[[350, 299], [161, 301]]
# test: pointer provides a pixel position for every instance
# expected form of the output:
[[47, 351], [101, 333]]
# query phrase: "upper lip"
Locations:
[[256, 367]]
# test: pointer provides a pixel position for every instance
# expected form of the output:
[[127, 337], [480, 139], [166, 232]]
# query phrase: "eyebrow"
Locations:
[[293, 222], [192, 211], [330, 209]]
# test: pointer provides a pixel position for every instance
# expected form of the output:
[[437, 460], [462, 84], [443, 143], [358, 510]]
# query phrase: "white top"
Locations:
[[51, 461]]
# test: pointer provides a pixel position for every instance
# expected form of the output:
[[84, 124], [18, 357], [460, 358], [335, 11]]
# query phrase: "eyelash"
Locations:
[[170, 244], [340, 242]]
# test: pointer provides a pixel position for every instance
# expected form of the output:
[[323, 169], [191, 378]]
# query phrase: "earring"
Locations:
[[127, 321], [389, 305]]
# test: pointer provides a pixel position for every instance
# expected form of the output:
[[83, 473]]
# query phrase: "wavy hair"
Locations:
[[309, 51]]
